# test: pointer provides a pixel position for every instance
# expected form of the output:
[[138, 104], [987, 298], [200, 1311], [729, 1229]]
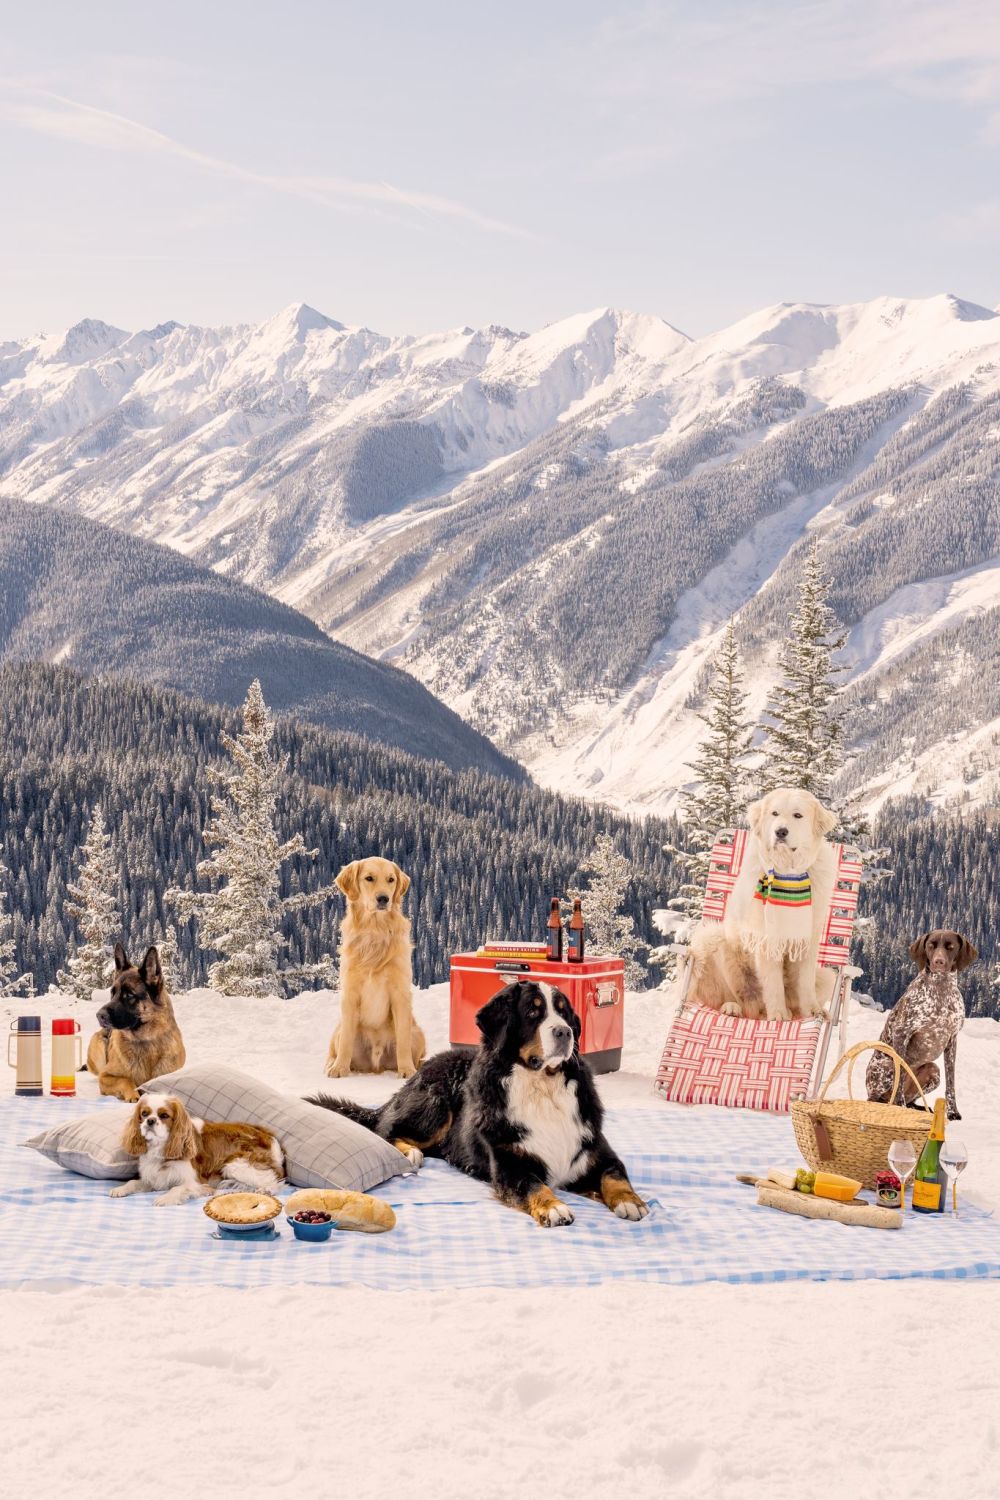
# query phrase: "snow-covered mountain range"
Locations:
[[551, 529]]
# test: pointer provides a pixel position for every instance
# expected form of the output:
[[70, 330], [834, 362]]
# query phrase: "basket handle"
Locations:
[[851, 1055]]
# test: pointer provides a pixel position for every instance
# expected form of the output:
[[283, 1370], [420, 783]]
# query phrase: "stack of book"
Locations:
[[525, 950]]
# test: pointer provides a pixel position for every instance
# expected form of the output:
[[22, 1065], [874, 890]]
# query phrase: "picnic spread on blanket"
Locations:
[[59, 1227], [440, 1228]]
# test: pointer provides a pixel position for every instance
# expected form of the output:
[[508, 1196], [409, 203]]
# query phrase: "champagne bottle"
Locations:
[[574, 944], [929, 1179], [555, 932]]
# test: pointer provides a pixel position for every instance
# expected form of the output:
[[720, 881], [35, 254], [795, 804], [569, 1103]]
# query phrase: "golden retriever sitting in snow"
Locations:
[[377, 1030], [763, 958]]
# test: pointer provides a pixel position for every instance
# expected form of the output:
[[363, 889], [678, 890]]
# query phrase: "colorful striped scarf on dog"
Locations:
[[781, 919]]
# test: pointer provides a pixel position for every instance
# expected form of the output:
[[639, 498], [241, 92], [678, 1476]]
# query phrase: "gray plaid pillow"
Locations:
[[92, 1145], [321, 1149]]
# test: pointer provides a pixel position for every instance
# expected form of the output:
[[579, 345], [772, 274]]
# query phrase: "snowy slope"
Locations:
[[551, 529]]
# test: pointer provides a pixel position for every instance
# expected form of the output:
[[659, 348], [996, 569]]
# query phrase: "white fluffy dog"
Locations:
[[763, 958]]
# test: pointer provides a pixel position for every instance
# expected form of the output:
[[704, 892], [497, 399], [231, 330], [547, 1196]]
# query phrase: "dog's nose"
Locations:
[[781, 833], [561, 1034], [103, 1020], [383, 900]]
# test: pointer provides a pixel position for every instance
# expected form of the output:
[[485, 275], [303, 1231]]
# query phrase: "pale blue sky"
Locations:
[[423, 165]]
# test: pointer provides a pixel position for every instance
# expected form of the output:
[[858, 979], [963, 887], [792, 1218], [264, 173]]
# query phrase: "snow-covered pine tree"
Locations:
[[11, 983], [610, 929], [803, 743], [94, 902], [719, 797], [241, 918]]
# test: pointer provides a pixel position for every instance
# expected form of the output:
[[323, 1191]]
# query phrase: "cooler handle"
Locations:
[[604, 994]]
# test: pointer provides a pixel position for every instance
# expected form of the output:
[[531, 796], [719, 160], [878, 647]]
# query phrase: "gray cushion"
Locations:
[[91, 1145], [321, 1149]]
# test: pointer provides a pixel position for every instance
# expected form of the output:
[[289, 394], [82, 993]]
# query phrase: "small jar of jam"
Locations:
[[887, 1190]]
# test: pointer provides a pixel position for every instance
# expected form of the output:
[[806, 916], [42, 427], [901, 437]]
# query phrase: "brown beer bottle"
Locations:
[[555, 933], [574, 945]]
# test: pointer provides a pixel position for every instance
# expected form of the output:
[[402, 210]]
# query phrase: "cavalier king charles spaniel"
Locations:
[[188, 1158]]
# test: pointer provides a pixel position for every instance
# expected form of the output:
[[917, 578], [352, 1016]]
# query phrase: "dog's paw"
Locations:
[[779, 1013], [333, 1070], [402, 1072], [807, 1008], [413, 1155], [730, 1008], [547, 1211], [953, 1114], [631, 1209], [123, 1190]]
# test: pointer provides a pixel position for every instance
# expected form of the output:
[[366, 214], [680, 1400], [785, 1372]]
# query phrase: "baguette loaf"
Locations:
[[808, 1207], [350, 1210]]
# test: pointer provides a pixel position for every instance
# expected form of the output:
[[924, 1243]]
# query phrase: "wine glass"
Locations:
[[902, 1160], [953, 1158]]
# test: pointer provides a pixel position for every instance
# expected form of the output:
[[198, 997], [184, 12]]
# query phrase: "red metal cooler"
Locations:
[[595, 989]]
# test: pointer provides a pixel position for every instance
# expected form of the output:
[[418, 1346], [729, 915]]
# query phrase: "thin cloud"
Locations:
[[55, 115]]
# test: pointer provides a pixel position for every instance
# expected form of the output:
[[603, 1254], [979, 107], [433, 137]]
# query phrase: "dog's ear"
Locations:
[[152, 974], [402, 886], [755, 815], [918, 951], [574, 1019], [495, 1017], [824, 821], [132, 1140], [348, 880], [181, 1142], [121, 958], [966, 953]]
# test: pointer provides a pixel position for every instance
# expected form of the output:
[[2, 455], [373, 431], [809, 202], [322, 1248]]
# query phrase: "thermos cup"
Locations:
[[26, 1036], [67, 1055]]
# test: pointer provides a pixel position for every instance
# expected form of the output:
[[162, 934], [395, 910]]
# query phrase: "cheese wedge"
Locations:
[[840, 1189]]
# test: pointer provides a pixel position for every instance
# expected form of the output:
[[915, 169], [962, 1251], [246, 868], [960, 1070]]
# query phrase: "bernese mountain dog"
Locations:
[[520, 1112]]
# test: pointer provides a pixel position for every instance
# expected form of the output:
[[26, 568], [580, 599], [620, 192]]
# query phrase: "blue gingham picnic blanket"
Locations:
[[60, 1229]]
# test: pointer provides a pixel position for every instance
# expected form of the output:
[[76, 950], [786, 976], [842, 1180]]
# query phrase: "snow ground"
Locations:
[[777, 1391]]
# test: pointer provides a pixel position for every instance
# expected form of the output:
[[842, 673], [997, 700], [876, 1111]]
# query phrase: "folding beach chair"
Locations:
[[710, 1058]]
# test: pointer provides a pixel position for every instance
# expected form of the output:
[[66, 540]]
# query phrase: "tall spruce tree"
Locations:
[[718, 799], [722, 790], [803, 735], [12, 983], [94, 903], [611, 929], [241, 919], [803, 742]]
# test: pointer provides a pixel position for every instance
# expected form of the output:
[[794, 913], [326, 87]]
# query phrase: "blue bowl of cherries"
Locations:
[[311, 1224]]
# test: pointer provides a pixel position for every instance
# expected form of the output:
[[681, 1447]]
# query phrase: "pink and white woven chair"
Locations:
[[710, 1058]]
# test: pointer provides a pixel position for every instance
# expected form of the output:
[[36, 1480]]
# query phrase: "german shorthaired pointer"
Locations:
[[925, 1023]]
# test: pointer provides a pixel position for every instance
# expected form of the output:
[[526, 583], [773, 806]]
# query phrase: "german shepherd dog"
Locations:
[[139, 1037]]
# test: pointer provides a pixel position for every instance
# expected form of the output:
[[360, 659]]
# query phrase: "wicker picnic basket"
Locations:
[[852, 1136]]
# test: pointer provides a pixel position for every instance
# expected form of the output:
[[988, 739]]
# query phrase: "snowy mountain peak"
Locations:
[[968, 312], [299, 320], [162, 330], [86, 340]]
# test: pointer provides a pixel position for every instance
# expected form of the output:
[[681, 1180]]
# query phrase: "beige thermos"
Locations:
[[26, 1037], [67, 1054]]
